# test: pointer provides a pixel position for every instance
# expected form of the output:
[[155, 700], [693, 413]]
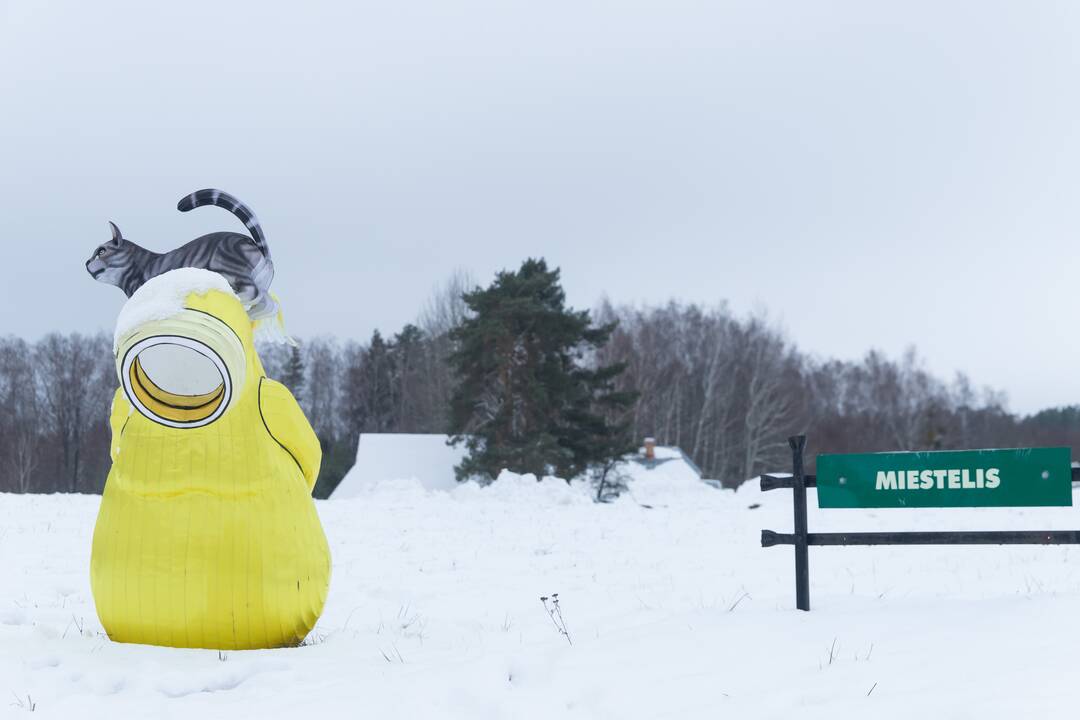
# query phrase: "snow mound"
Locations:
[[662, 489], [429, 460], [511, 488], [163, 296]]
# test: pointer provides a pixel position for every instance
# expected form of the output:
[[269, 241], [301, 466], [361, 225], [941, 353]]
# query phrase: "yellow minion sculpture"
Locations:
[[207, 536]]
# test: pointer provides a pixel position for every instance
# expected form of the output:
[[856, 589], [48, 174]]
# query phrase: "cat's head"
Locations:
[[111, 260]]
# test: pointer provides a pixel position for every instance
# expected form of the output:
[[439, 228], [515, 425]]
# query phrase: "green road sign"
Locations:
[[1037, 477]]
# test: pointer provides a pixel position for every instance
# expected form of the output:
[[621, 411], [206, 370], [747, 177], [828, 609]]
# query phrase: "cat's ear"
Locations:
[[116, 235]]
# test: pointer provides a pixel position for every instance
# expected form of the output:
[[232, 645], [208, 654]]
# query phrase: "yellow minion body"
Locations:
[[207, 536]]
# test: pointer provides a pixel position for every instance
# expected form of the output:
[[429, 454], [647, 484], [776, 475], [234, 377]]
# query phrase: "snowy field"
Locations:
[[675, 611]]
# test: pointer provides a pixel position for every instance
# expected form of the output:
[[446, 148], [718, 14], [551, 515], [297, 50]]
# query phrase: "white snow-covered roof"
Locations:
[[400, 456], [427, 459], [670, 463]]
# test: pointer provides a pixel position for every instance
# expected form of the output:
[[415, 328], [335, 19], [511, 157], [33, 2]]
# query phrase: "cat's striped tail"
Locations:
[[222, 199]]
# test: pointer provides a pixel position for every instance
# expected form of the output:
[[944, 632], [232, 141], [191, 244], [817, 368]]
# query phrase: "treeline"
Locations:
[[55, 396], [726, 389], [730, 390], [56, 393], [396, 384]]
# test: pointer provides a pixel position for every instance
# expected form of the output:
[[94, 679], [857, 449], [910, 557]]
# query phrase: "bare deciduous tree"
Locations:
[[73, 388]]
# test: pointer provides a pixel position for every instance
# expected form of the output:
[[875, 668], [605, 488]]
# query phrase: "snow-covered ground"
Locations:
[[674, 610]]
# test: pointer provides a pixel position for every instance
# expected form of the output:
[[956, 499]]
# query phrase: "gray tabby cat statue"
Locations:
[[243, 261]]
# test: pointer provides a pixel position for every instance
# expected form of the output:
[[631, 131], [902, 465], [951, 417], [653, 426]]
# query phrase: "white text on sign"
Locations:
[[953, 479]]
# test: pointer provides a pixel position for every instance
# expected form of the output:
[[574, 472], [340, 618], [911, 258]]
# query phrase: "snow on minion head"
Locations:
[[207, 535], [196, 352]]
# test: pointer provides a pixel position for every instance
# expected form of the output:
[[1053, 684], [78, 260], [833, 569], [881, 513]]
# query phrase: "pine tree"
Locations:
[[527, 399], [373, 402], [407, 352], [293, 377]]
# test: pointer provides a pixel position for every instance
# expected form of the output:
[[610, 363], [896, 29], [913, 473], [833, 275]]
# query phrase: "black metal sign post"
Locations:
[[802, 539]]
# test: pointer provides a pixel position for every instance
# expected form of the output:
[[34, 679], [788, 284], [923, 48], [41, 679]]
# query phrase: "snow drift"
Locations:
[[674, 611]]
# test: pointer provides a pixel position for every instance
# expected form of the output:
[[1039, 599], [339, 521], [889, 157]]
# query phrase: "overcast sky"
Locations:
[[873, 174]]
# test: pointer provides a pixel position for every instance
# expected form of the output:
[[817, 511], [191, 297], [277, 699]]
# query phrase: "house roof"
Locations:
[[670, 461], [400, 456]]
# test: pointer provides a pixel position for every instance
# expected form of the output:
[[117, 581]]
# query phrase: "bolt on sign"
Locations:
[[1037, 477]]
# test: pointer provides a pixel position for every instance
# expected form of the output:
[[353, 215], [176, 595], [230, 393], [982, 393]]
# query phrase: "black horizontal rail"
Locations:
[[961, 537], [771, 482]]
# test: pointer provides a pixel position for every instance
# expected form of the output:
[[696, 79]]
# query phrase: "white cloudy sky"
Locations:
[[875, 174]]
